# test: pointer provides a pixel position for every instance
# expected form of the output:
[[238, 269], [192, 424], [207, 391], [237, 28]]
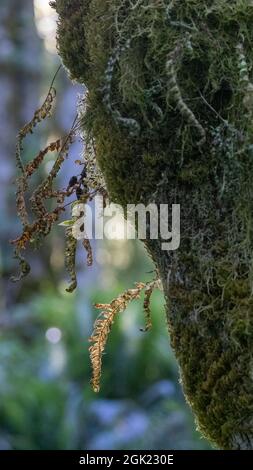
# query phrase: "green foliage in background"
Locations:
[[46, 401], [171, 97]]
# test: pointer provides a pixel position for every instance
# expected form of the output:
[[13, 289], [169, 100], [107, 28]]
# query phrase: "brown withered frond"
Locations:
[[39, 115], [149, 289], [33, 233], [32, 166], [36, 208], [70, 259], [45, 189], [24, 266], [102, 328], [88, 248], [32, 230], [105, 320], [21, 184], [36, 218]]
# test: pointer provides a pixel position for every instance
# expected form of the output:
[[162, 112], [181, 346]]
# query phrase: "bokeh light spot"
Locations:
[[53, 335]]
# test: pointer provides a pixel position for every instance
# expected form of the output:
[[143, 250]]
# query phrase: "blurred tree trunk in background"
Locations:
[[20, 49]]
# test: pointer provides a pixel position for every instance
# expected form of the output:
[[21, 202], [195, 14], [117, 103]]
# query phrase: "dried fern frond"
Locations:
[[30, 229], [32, 166], [33, 233], [40, 227], [147, 311], [21, 184], [88, 248], [44, 110], [85, 186], [70, 259], [150, 287], [23, 264], [104, 322], [39, 115], [44, 190]]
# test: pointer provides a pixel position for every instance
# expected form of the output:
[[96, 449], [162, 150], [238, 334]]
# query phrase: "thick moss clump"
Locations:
[[170, 108]]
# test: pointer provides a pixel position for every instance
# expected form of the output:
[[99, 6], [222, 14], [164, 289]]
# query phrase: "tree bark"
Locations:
[[169, 108]]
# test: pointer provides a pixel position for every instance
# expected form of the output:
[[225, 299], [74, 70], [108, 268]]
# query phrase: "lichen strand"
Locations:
[[170, 87]]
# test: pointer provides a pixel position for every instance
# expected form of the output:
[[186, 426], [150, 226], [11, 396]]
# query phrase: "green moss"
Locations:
[[162, 75], [73, 37]]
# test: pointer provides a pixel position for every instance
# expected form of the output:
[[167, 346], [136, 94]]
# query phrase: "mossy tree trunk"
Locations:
[[170, 110]]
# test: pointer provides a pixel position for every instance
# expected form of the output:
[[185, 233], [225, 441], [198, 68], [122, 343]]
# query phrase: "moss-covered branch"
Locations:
[[170, 97]]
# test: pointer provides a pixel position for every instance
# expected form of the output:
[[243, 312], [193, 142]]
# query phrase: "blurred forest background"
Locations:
[[46, 401]]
